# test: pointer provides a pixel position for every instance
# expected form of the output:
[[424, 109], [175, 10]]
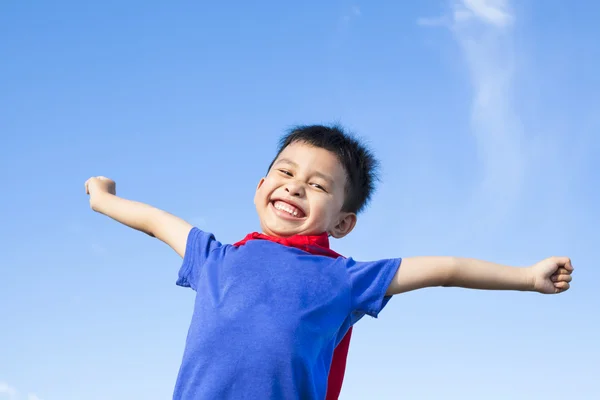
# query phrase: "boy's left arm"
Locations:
[[551, 275]]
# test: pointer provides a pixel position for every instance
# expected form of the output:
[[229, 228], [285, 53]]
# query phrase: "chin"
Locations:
[[283, 232]]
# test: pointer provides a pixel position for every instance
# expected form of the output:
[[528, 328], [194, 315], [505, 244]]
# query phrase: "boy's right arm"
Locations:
[[142, 217], [551, 275]]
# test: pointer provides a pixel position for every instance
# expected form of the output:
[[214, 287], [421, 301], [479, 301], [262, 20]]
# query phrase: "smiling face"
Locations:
[[303, 194]]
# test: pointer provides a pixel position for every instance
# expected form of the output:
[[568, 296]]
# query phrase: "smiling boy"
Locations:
[[269, 313]]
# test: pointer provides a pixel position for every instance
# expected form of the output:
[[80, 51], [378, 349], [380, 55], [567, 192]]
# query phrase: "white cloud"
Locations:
[[7, 392], [485, 37], [494, 12], [462, 15], [491, 12], [483, 31]]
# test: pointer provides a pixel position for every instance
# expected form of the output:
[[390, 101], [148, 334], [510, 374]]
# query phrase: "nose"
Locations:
[[295, 189]]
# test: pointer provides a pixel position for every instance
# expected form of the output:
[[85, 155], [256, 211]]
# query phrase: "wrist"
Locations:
[[98, 200], [528, 278]]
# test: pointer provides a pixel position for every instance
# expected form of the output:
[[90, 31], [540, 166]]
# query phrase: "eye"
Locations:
[[285, 172], [316, 185]]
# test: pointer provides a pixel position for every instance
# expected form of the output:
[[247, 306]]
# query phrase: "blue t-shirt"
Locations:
[[267, 317]]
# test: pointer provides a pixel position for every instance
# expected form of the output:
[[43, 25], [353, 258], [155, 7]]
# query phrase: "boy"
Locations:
[[270, 311]]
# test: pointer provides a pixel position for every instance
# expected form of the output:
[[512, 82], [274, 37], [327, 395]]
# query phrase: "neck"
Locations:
[[295, 234]]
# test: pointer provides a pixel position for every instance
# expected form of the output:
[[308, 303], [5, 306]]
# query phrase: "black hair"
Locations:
[[358, 161]]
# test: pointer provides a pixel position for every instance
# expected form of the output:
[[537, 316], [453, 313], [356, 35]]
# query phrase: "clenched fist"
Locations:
[[98, 186], [552, 275]]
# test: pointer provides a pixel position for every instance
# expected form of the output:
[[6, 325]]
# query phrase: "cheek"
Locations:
[[262, 195], [322, 207], [265, 190], [329, 208], [259, 195]]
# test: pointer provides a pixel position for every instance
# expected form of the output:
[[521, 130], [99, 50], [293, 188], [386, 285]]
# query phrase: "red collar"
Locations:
[[313, 244]]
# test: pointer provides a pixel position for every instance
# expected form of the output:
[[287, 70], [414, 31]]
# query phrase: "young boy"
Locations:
[[270, 311]]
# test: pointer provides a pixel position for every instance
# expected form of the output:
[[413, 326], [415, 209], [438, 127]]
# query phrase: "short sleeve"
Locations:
[[369, 282], [198, 247]]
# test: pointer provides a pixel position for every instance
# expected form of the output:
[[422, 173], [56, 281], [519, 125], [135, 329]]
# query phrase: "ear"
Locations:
[[260, 183], [344, 226]]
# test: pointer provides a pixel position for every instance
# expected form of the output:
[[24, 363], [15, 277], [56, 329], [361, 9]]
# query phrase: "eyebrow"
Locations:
[[316, 173]]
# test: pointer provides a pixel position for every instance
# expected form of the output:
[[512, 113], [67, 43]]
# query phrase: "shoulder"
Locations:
[[377, 273], [201, 244]]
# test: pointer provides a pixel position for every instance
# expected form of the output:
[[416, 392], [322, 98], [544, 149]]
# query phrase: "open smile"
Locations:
[[287, 210]]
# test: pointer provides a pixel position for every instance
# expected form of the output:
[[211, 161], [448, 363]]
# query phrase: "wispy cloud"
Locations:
[[484, 31], [493, 12], [8, 392]]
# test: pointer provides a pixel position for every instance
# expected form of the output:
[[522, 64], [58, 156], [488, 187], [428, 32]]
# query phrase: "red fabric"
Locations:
[[318, 245]]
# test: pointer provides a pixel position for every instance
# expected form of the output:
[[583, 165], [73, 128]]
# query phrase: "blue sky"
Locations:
[[485, 115]]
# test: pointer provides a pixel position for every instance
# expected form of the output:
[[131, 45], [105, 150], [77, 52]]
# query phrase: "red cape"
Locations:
[[318, 245]]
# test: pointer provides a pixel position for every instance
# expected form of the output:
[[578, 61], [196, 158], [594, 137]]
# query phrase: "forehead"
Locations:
[[314, 159]]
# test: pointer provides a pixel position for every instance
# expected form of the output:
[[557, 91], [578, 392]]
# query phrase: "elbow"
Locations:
[[146, 222], [149, 228], [449, 272], [153, 222]]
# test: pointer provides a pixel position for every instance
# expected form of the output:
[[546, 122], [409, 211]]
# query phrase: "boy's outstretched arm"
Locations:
[[551, 275], [142, 217]]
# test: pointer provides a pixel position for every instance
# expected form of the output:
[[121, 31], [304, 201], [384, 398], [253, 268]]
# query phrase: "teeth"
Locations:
[[287, 208]]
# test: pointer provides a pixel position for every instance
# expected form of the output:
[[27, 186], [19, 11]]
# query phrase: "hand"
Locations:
[[552, 275], [97, 186]]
